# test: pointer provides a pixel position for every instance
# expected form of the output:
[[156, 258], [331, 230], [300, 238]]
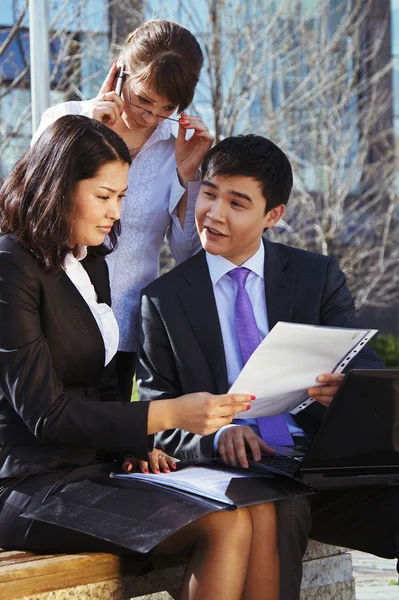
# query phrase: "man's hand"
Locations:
[[234, 442], [325, 393]]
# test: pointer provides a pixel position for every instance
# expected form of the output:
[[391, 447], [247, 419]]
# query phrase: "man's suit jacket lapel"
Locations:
[[279, 285], [198, 302]]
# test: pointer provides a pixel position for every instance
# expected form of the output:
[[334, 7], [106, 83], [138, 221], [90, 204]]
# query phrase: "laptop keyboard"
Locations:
[[281, 463]]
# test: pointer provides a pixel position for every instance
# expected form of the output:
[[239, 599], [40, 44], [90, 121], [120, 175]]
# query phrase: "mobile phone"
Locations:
[[119, 80]]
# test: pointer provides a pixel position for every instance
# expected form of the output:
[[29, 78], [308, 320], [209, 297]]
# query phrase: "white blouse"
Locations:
[[102, 313], [149, 212]]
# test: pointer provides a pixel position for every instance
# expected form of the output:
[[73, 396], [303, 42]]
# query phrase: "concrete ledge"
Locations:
[[327, 573]]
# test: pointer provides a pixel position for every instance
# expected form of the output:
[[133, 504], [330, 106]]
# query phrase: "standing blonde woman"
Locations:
[[162, 63]]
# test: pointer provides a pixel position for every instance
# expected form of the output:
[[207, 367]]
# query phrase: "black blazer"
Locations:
[[181, 347], [59, 405]]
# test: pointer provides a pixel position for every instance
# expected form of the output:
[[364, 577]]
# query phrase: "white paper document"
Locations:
[[285, 365], [211, 483]]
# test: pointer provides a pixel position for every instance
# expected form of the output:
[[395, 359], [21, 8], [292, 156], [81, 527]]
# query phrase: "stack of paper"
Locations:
[[202, 481], [287, 362]]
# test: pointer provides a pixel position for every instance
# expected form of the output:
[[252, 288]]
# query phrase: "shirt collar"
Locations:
[[164, 130], [81, 254], [219, 265]]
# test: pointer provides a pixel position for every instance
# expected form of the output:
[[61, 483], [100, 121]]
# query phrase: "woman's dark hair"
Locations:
[[166, 56], [252, 156], [36, 197]]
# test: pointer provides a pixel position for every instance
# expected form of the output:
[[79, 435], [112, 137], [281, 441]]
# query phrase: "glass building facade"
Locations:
[[80, 32], [395, 72], [79, 45]]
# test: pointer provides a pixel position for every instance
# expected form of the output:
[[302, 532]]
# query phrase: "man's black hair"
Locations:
[[252, 156]]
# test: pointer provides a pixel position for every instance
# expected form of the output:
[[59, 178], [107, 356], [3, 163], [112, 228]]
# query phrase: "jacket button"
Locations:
[[90, 391]]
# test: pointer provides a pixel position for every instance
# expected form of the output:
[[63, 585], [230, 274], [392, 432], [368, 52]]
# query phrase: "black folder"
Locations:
[[137, 515]]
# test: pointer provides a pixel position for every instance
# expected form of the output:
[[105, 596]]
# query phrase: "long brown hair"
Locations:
[[36, 197], [166, 56]]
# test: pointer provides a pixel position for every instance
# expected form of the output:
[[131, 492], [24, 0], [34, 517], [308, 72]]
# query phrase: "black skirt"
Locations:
[[85, 510]]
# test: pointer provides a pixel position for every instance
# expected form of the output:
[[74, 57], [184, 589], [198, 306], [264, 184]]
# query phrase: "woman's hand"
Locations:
[[190, 153], [157, 461], [108, 106], [200, 413]]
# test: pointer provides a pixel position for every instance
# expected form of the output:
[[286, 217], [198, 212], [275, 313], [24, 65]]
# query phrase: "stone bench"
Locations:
[[327, 574]]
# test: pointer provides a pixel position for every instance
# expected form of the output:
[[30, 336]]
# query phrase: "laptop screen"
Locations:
[[361, 427]]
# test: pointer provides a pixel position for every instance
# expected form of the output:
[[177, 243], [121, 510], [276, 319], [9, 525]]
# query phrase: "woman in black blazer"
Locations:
[[62, 425]]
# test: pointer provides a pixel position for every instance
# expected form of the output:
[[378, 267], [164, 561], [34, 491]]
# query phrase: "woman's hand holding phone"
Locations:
[[107, 107]]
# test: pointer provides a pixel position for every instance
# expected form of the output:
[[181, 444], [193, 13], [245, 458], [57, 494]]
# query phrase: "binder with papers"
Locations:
[[149, 510], [287, 362], [232, 486]]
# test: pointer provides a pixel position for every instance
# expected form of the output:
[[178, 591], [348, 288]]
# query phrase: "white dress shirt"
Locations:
[[102, 313], [149, 212]]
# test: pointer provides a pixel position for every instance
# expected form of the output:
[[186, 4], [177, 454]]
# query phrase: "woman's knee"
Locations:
[[235, 525], [263, 513]]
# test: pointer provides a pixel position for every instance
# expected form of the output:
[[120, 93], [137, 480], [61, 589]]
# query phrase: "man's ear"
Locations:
[[274, 215]]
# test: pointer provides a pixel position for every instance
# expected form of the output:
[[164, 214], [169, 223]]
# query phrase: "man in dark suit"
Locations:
[[190, 338]]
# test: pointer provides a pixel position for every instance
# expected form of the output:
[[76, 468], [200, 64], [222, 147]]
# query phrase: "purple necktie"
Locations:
[[273, 430]]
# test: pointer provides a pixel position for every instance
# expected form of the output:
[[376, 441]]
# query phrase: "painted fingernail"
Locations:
[[253, 397], [173, 466], [157, 471], [197, 132], [167, 470], [121, 113], [145, 470], [248, 407]]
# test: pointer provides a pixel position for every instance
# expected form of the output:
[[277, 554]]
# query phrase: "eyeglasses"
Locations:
[[148, 112]]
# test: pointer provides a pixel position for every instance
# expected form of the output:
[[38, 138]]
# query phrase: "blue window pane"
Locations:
[[12, 106], [94, 67], [395, 80], [395, 26], [80, 15], [16, 57], [14, 112], [10, 11]]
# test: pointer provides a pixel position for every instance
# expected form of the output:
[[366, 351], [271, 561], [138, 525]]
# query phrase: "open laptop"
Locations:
[[358, 440]]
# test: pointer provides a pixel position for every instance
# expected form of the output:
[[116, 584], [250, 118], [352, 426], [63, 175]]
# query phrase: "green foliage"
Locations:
[[135, 392], [387, 347]]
